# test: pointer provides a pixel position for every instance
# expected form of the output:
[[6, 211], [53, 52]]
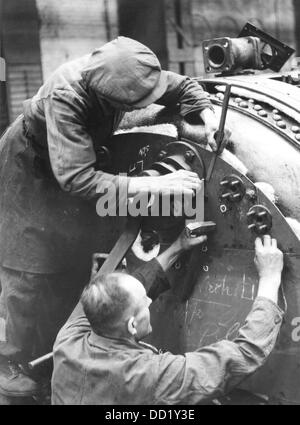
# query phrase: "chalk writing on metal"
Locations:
[[143, 151], [246, 291], [136, 167]]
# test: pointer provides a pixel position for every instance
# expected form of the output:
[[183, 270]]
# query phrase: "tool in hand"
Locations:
[[195, 229], [219, 134]]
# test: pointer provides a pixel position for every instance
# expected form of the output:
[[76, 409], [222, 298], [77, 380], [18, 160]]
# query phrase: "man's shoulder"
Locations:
[[75, 328], [66, 80]]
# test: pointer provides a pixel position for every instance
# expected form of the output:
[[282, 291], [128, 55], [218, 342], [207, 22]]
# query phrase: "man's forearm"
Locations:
[[214, 369], [187, 92], [153, 277], [268, 288], [167, 258]]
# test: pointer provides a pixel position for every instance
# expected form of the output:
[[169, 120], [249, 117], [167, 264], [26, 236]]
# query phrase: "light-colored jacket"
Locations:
[[92, 369]]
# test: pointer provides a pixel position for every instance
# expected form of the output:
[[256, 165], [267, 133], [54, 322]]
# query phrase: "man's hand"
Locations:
[[179, 182], [211, 126], [182, 243], [269, 263]]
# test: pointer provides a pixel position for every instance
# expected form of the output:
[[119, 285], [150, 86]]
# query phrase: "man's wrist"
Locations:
[[176, 248], [270, 281], [268, 287]]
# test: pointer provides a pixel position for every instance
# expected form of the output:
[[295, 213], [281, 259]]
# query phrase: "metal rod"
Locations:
[[40, 360]]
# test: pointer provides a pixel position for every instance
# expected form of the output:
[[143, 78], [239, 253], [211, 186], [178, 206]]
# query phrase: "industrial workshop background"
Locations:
[[39, 35]]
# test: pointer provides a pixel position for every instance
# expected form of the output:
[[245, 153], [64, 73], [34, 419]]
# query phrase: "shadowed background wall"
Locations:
[[39, 35]]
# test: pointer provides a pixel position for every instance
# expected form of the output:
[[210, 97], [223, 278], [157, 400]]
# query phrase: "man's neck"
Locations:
[[117, 334]]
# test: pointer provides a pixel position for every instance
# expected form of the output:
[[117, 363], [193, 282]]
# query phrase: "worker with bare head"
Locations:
[[99, 357], [117, 305]]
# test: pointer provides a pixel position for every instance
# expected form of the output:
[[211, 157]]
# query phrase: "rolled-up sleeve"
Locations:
[[71, 149], [210, 371], [187, 92]]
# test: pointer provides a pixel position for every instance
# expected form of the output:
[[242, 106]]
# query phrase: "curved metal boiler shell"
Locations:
[[225, 285], [223, 279], [264, 117]]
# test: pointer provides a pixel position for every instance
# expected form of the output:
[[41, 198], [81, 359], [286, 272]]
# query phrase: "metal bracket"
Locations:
[[280, 51]]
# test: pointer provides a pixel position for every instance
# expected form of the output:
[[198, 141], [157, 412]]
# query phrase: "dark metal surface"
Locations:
[[214, 286]]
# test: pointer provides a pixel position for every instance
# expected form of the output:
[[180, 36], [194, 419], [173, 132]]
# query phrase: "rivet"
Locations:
[[297, 137], [220, 96], [275, 111], [238, 100], [295, 129], [257, 107], [162, 154], [244, 105], [262, 113], [281, 124], [189, 156], [277, 117], [251, 100]]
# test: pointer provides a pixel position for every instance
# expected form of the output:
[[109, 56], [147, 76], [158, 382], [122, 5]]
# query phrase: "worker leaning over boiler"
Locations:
[[49, 180]]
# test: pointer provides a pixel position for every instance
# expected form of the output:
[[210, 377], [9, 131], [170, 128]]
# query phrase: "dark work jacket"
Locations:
[[48, 164], [94, 369]]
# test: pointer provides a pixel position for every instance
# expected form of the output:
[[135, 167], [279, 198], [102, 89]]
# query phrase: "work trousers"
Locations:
[[33, 307]]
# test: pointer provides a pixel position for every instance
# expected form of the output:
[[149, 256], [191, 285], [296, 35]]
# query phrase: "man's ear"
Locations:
[[131, 326]]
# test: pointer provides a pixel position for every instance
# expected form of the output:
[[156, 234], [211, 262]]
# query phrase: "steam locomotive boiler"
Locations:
[[253, 189], [213, 287]]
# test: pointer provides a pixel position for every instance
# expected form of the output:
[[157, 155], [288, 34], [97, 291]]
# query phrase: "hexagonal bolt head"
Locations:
[[189, 156]]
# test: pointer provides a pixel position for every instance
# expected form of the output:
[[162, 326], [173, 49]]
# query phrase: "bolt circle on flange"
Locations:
[[232, 189], [259, 219]]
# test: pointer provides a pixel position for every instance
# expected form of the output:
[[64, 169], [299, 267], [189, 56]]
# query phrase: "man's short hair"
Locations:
[[104, 301]]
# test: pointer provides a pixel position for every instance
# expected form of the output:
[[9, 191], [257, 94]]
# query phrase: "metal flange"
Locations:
[[259, 219], [232, 189]]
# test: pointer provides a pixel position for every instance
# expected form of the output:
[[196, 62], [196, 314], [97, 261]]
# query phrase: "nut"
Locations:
[[223, 208]]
